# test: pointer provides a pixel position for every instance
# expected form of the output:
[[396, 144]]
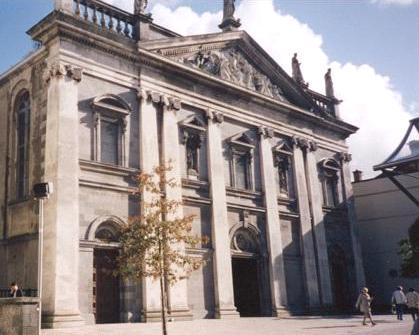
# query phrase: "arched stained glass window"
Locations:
[[22, 110]]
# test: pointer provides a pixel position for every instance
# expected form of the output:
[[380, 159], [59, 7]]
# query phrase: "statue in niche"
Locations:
[[283, 165], [229, 9], [297, 75], [193, 143], [140, 6], [329, 84]]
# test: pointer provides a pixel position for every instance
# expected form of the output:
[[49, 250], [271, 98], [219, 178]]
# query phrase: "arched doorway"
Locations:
[[106, 285], [339, 278], [247, 269]]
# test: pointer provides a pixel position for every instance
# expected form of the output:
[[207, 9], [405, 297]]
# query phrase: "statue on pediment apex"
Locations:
[[229, 9], [140, 6], [229, 23]]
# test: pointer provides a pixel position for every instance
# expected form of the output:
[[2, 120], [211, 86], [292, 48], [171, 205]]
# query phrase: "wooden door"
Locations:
[[106, 288]]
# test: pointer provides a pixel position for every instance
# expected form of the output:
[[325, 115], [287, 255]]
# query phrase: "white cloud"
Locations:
[[128, 5], [394, 2], [370, 101]]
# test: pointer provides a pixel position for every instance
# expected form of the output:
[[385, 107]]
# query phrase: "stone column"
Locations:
[[64, 6], [273, 227], [178, 293], [319, 230], [149, 159], [348, 198], [309, 256], [223, 276], [60, 303]]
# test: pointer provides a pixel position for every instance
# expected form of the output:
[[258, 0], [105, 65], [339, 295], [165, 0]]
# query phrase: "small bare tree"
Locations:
[[153, 243]]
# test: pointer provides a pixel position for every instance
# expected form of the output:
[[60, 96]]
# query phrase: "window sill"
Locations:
[[243, 193], [117, 170], [335, 209], [17, 202], [194, 183]]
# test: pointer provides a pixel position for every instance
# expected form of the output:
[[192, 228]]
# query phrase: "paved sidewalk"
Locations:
[[386, 325]]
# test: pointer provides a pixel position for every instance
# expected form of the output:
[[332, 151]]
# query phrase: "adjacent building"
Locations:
[[388, 213], [261, 160]]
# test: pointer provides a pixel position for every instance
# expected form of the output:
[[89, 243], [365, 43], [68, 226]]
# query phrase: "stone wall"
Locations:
[[19, 316]]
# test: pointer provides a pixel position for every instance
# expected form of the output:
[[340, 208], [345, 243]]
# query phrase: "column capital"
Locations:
[[168, 102], [215, 116], [57, 69], [304, 144], [344, 157], [141, 94], [154, 96], [266, 132]]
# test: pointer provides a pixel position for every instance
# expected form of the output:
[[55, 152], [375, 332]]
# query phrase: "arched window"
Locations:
[[107, 232], [110, 114], [22, 113]]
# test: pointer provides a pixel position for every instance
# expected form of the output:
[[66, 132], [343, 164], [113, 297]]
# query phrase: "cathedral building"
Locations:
[[260, 160]]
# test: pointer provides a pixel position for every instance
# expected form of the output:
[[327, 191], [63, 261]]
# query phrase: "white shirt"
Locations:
[[398, 297]]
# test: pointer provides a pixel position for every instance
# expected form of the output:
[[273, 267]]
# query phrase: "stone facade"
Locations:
[[19, 316], [261, 160]]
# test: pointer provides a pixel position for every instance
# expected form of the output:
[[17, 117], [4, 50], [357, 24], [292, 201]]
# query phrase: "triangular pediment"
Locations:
[[236, 58], [193, 122], [283, 147], [242, 139], [230, 63]]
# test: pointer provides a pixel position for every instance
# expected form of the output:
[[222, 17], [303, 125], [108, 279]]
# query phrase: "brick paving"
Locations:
[[386, 325]]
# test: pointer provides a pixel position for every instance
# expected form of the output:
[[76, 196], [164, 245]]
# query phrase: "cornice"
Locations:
[[152, 59], [64, 26], [61, 25], [23, 65]]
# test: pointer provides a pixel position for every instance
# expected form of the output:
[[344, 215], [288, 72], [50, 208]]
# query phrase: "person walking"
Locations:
[[363, 303], [15, 291], [399, 299], [412, 302]]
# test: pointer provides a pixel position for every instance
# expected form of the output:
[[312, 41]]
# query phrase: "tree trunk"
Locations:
[[163, 305], [162, 290]]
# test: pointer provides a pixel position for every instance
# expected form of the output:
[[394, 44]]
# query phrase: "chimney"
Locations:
[[357, 176]]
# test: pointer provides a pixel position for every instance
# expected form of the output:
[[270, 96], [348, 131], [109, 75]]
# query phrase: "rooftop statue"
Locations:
[[329, 84], [140, 6], [229, 22], [229, 9], [296, 70]]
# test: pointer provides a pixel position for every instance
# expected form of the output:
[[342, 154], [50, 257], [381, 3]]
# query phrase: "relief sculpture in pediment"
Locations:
[[232, 66]]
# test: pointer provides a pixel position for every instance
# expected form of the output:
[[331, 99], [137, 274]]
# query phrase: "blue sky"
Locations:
[[371, 45]]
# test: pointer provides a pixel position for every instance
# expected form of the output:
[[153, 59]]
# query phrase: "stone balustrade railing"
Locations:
[[105, 16], [326, 105]]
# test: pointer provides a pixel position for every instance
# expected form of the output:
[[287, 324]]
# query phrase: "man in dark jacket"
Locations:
[[15, 291]]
